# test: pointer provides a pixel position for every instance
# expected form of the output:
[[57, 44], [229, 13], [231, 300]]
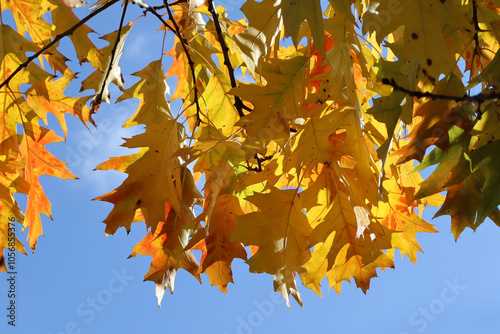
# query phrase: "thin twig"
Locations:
[[153, 11], [478, 98], [238, 103], [98, 98], [57, 39], [158, 7], [184, 44], [477, 49], [178, 2]]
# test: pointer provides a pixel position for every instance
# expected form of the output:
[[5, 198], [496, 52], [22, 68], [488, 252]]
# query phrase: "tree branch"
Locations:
[[57, 39], [184, 44], [98, 98], [238, 103], [152, 10], [183, 41], [478, 98], [477, 49]]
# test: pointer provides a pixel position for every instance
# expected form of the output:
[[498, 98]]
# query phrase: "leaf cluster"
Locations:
[[300, 123]]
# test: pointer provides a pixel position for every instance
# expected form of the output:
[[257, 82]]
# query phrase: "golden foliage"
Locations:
[[307, 159]]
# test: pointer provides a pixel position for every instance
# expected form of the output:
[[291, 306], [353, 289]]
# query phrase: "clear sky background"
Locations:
[[80, 281]]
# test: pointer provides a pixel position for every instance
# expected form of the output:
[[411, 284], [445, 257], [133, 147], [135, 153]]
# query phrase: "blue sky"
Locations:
[[80, 281]]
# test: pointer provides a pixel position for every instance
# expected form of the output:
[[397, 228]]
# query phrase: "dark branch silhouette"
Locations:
[[238, 103], [184, 44], [175, 29], [478, 98], [98, 98]]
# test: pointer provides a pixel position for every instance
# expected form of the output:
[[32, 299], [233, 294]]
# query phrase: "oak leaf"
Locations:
[[281, 231]]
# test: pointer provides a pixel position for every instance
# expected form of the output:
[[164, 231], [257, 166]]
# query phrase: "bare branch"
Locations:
[[98, 98], [183, 41], [153, 11], [477, 48], [478, 98], [184, 44], [238, 103]]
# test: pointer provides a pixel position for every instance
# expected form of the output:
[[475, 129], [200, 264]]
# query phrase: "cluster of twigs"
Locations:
[[240, 106], [477, 99]]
